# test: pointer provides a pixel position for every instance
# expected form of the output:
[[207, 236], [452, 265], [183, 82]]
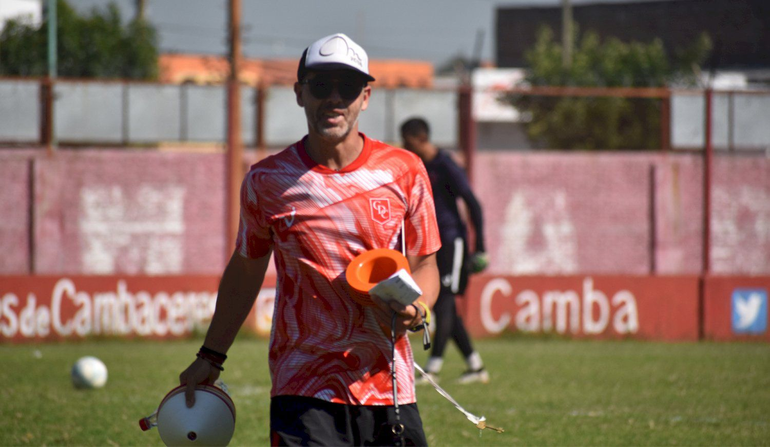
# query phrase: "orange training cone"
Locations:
[[371, 267]]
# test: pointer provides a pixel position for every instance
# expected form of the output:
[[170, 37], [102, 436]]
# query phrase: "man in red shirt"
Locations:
[[317, 205]]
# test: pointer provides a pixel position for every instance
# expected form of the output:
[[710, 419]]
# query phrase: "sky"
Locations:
[[431, 30]]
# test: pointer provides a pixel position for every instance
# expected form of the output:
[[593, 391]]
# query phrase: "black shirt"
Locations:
[[450, 183]]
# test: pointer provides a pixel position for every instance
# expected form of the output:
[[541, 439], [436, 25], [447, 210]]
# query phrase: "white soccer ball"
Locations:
[[89, 372]]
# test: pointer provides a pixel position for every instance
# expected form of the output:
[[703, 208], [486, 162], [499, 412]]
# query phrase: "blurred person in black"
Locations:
[[449, 183]]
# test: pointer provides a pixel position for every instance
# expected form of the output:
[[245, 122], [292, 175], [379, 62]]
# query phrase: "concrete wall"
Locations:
[[611, 213], [106, 211]]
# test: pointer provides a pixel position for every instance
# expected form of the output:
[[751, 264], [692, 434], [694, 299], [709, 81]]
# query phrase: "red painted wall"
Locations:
[[572, 213], [113, 212], [14, 215], [741, 216], [121, 211], [50, 308], [650, 308], [724, 319]]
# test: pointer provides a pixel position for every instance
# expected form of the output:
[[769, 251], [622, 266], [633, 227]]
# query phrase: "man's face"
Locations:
[[411, 142], [416, 144], [332, 101]]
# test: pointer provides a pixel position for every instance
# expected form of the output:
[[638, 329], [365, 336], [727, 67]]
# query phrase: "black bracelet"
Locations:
[[214, 353], [210, 362], [418, 326], [424, 324]]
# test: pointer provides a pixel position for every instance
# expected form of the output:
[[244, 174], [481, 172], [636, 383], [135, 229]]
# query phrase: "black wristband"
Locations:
[[418, 314], [424, 323], [210, 362], [219, 356]]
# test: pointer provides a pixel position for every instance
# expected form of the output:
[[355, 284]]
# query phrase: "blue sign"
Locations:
[[749, 311]]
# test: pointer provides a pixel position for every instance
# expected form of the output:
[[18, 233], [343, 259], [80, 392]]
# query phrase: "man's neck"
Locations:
[[335, 155]]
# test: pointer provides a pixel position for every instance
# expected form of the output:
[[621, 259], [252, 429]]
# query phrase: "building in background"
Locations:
[[204, 69], [737, 28], [27, 10], [498, 123]]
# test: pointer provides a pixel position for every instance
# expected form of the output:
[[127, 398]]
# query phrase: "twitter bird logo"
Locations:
[[749, 311]]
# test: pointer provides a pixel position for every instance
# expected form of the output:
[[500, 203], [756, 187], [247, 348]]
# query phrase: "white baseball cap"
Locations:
[[335, 52]]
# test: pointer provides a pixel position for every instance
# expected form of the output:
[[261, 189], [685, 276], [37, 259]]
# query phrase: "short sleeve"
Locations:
[[254, 239], [421, 227]]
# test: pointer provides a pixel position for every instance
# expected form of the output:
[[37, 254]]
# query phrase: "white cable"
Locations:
[[471, 417], [479, 422]]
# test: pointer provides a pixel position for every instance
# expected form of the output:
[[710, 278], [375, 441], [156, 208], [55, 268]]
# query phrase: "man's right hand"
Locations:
[[200, 371]]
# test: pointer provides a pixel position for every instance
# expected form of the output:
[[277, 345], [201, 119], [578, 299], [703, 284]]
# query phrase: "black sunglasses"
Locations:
[[349, 87]]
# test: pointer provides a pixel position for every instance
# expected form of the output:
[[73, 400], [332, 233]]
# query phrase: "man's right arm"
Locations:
[[238, 289]]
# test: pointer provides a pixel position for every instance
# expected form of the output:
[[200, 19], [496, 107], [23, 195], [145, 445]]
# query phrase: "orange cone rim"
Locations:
[[373, 266]]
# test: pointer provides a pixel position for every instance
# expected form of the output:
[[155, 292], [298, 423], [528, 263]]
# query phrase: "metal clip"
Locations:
[[483, 424]]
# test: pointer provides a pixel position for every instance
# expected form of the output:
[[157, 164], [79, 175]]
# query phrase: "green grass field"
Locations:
[[543, 392]]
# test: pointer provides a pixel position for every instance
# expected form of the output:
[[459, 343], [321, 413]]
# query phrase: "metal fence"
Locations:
[[739, 117], [125, 113], [20, 111], [86, 112], [740, 120]]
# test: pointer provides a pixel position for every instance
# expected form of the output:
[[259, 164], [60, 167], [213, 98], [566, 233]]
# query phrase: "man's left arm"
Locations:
[[463, 188], [425, 274]]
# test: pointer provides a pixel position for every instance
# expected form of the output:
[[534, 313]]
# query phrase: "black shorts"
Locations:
[[297, 420], [453, 266]]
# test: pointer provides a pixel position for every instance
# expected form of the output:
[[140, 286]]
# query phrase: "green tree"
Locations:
[[603, 122], [94, 46]]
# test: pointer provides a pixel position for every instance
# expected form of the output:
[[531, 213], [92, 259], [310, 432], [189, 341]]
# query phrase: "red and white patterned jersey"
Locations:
[[324, 344]]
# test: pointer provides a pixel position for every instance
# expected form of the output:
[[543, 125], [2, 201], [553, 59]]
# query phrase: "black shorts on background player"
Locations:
[[453, 271]]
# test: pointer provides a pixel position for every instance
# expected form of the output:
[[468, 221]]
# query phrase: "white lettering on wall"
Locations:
[[34, 321], [563, 304], [538, 235], [492, 325], [626, 319], [63, 286], [528, 317], [9, 323], [594, 298], [119, 312], [140, 234], [560, 310]]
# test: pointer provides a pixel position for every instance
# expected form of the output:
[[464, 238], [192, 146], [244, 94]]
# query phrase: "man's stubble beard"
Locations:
[[334, 134]]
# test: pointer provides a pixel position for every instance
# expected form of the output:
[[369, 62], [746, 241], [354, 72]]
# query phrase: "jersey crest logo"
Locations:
[[380, 209]]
